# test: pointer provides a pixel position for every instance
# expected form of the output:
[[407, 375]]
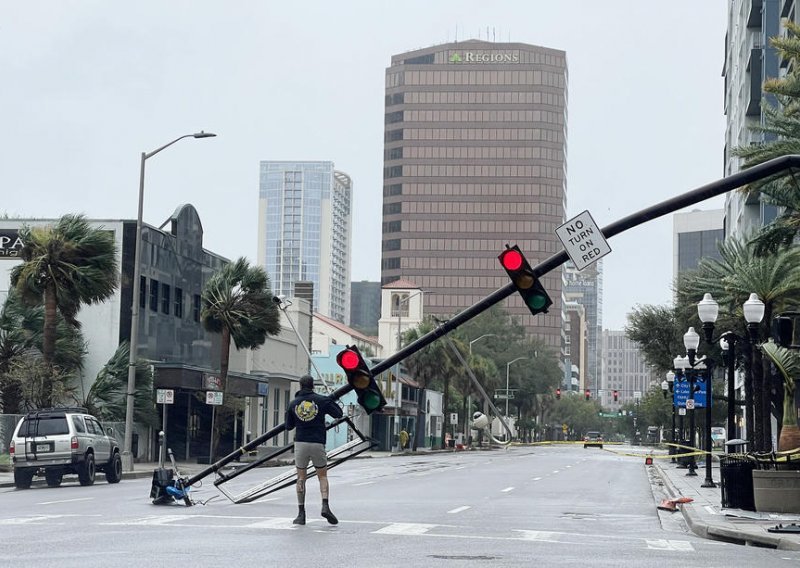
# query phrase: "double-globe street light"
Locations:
[[508, 366], [127, 458], [399, 386], [753, 310], [667, 386]]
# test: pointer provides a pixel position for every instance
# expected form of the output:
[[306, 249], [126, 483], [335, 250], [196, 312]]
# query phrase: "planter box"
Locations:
[[776, 491]]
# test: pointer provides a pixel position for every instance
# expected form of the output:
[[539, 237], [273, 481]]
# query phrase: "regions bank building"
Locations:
[[475, 138]]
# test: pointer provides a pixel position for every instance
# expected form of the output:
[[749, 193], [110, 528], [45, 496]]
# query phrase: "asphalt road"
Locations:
[[548, 506]]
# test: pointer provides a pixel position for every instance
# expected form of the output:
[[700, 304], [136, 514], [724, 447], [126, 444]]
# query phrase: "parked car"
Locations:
[[58, 441], [593, 439]]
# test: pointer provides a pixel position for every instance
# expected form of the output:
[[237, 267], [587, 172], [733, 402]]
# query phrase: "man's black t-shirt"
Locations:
[[307, 413]]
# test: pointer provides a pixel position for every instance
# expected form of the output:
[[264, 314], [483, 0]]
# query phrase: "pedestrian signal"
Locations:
[[360, 378], [521, 274]]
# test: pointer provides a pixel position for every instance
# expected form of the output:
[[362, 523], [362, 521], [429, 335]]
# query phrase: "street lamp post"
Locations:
[[469, 396], [399, 386], [728, 345], [670, 385], [753, 310], [707, 311], [691, 340], [127, 458], [508, 366]]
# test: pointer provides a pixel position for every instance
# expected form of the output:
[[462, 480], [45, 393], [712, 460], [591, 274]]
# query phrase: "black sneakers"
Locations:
[[300, 519]]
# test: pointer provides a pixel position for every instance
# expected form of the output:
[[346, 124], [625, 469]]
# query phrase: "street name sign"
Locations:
[[583, 240], [680, 394]]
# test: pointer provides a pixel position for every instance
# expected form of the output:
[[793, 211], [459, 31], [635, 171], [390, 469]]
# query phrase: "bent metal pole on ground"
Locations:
[[724, 185]]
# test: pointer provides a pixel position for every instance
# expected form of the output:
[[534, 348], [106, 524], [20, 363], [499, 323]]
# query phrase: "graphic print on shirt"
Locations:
[[306, 410]]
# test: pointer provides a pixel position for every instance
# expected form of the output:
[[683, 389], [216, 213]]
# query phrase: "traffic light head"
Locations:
[[521, 274], [360, 378], [616, 396], [587, 394], [558, 394]]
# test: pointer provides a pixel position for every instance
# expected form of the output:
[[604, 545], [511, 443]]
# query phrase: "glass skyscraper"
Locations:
[[304, 231]]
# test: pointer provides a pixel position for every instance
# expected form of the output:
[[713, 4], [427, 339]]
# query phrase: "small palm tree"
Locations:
[[65, 265], [237, 303], [787, 362]]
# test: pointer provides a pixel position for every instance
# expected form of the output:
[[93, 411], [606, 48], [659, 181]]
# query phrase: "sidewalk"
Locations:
[[707, 519]]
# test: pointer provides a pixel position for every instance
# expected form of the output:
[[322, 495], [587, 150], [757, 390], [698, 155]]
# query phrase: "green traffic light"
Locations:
[[371, 401], [537, 301]]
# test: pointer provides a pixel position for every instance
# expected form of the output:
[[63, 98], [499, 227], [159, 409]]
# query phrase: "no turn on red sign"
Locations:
[[583, 241]]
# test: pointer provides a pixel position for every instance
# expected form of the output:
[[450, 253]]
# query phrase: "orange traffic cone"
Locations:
[[648, 460]]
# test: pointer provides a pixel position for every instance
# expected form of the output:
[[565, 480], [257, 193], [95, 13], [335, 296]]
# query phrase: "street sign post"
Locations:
[[503, 394], [680, 393], [214, 398], [583, 240], [454, 418], [165, 396]]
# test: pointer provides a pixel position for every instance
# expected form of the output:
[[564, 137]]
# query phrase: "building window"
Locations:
[[400, 304], [178, 302], [153, 295], [196, 307], [166, 298], [142, 291]]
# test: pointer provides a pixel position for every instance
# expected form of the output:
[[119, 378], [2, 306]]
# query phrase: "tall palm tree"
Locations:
[[740, 271], [429, 366], [237, 303], [65, 265], [782, 128]]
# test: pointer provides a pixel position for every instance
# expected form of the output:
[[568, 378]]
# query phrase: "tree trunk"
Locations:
[[224, 357], [49, 343]]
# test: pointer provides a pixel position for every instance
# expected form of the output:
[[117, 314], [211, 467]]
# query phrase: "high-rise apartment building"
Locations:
[[624, 370], [585, 287], [304, 231], [749, 61], [474, 158], [695, 236]]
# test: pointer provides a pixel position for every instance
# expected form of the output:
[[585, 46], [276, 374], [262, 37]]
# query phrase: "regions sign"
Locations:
[[472, 57]]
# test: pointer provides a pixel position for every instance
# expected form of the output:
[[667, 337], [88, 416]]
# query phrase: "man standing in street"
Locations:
[[307, 413]]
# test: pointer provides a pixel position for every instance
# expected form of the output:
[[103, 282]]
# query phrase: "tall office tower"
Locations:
[[575, 347], [365, 306], [749, 61], [585, 287], [695, 236], [624, 370], [474, 158], [304, 231]]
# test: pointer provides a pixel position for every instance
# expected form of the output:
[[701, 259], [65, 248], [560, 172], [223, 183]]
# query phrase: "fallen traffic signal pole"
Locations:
[[713, 189]]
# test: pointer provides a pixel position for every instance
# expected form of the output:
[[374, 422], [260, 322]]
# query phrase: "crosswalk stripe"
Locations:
[[281, 523], [153, 520], [459, 509], [507, 489], [540, 536], [663, 544], [405, 528]]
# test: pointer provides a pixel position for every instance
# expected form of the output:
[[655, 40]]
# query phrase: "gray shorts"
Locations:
[[309, 451]]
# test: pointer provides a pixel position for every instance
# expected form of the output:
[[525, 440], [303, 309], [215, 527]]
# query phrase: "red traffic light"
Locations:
[[511, 259], [349, 360], [588, 394], [558, 393], [616, 396]]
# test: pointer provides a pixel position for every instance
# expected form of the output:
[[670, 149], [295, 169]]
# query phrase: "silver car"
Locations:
[[57, 441]]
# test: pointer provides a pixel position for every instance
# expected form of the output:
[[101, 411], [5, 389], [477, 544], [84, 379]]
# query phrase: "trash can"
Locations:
[[736, 475], [451, 443], [684, 461]]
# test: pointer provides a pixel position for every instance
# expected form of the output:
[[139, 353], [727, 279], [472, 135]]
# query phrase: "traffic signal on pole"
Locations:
[[521, 274], [360, 378], [616, 396], [558, 394], [587, 394]]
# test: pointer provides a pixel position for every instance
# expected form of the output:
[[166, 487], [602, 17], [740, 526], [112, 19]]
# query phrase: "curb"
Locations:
[[713, 531]]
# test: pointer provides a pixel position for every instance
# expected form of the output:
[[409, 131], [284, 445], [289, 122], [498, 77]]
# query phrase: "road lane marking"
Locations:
[[507, 489], [66, 501], [663, 544], [461, 467], [536, 478], [539, 536], [556, 471], [153, 520], [569, 466], [365, 483], [459, 509], [273, 523], [405, 528]]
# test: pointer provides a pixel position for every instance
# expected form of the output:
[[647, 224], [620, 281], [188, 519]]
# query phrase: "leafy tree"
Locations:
[[580, 415], [237, 303], [65, 265], [658, 332], [107, 397], [21, 329]]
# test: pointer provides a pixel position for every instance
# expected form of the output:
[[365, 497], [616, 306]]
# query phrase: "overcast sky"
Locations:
[[86, 86]]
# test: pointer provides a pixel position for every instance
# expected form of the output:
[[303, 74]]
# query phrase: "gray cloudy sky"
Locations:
[[89, 85]]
